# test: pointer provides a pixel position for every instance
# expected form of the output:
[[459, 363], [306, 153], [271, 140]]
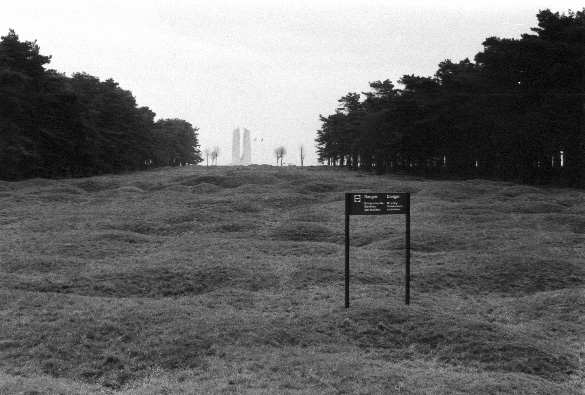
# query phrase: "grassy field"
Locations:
[[230, 280]]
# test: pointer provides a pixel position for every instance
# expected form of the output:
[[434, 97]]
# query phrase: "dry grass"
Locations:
[[230, 280]]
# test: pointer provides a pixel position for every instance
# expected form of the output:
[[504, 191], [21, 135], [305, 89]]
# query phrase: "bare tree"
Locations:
[[279, 152], [302, 154], [214, 155], [207, 152]]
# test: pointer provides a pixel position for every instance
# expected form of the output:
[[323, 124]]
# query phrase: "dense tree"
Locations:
[[52, 125], [516, 112]]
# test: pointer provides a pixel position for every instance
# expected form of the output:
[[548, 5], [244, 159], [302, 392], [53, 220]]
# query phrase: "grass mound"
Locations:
[[318, 187], [154, 228], [96, 184], [333, 274], [453, 192], [230, 279], [299, 249], [286, 200], [231, 179], [102, 346], [42, 265], [310, 215], [434, 240], [557, 313], [247, 207], [510, 275], [176, 188], [235, 226], [128, 189], [470, 342], [156, 282], [65, 189], [519, 190], [60, 197], [568, 222], [205, 187], [123, 237], [304, 231], [527, 206]]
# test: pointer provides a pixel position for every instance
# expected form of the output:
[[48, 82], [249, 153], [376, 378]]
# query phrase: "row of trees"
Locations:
[[52, 125], [516, 112]]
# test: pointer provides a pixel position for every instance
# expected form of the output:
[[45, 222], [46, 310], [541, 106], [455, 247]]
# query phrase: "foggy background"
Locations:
[[271, 67]]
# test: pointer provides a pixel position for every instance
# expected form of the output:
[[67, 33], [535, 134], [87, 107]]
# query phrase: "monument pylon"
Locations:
[[247, 145], [246, 157], [236, 147]]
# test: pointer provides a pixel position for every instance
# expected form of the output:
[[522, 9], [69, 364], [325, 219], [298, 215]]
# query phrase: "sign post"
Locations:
[[378, 204]]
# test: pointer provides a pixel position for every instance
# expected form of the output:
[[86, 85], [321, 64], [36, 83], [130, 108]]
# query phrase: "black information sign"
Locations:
[[378, 204]]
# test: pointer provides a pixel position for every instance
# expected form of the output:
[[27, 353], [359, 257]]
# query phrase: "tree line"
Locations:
[[52, 125], [516, 112]]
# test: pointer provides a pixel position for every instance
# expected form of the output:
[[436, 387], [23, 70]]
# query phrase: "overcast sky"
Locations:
[[269, 66]]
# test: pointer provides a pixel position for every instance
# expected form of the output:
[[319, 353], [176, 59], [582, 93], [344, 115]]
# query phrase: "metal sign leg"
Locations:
[[407, 268], [346, 261]]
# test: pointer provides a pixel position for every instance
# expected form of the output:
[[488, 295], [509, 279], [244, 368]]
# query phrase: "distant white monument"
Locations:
[[246, 157], [236, 147]]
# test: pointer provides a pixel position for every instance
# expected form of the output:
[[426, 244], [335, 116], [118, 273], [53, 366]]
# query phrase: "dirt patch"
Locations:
[[160, 282]]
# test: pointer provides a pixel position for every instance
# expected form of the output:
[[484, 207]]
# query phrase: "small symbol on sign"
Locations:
[[357, 198]]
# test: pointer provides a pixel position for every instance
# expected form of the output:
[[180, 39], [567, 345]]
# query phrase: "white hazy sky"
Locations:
[[270, 66]]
